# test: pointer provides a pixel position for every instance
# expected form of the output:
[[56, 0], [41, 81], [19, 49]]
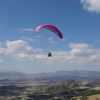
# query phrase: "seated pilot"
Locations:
[[49, 54]]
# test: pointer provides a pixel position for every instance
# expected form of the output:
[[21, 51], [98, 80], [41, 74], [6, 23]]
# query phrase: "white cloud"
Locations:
[[0, 44], [1, 61], [27, 29], [18, 46], [53, 42], [37, 50], [80, 54], [80, 46], [23, 56], [91, 5], [38, 57], [50, 38], [28, 39], [4, 52], [64, 39]]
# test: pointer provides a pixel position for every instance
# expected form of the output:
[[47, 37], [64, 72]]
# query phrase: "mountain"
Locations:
[[59, 85], [63, 90], [69, 73], [88, 76], [11, 74], [51, 77]]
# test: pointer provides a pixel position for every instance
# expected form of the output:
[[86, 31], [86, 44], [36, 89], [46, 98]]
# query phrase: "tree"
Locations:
[[84, 98], [74, 99]]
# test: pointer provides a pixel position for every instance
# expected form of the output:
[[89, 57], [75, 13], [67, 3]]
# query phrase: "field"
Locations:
[[93, 97]]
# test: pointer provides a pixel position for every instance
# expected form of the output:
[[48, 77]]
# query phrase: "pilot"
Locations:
[[49, 54]]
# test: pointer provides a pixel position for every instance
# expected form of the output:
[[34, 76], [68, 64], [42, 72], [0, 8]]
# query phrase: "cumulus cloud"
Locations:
[[80, 46], [18, 46], [4, 52], [91, 5], [80, 54], [80, 49], [23, 56], [38, 57]]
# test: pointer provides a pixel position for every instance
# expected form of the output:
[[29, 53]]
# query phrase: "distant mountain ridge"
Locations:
[[11, 73], [81, 75], [50, 77], [71, 73]]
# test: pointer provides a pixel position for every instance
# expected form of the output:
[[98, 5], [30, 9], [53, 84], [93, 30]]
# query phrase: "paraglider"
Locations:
[[49, 54], [52, 28]]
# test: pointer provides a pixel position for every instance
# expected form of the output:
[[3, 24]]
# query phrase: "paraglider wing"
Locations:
[[50, 27]]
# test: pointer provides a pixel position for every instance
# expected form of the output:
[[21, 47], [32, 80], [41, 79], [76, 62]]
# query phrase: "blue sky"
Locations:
[[22, 49]]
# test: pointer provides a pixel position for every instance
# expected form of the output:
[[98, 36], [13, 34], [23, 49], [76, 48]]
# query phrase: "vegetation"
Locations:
[[23, 87], [67, 89], [92, 92]]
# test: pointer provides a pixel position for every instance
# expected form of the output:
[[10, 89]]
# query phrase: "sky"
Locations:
[[24, 50]]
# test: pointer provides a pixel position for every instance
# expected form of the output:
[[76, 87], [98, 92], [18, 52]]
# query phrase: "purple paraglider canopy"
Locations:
[[50, 27]]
